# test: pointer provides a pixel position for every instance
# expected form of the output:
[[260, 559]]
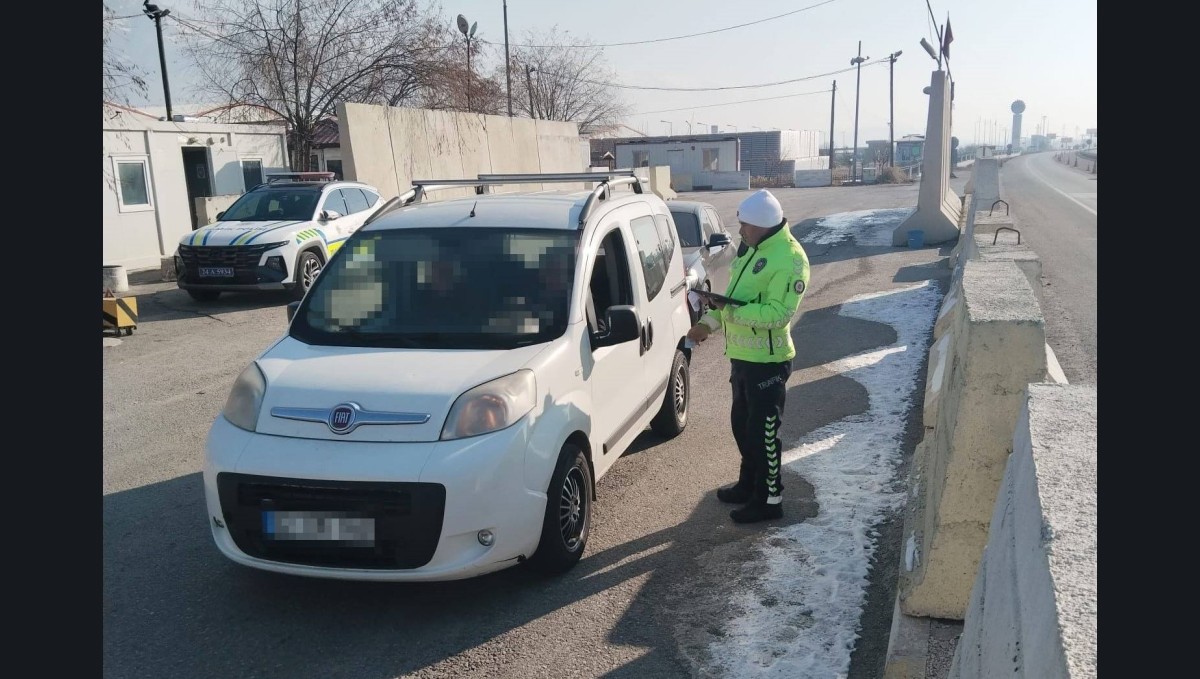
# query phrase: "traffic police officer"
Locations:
[[770, 276]]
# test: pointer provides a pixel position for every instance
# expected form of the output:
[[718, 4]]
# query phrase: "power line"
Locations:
[[681, 37], [131, 16], [728, 103], [729, 87]]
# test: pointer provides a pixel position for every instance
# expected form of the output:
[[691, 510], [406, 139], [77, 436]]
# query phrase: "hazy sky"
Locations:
[[1042, 53]]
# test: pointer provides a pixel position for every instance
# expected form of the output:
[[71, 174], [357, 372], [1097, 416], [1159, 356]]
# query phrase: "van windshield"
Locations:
[[443, 288], [266, 205]]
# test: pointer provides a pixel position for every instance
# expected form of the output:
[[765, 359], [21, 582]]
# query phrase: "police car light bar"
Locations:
[[300, 177]]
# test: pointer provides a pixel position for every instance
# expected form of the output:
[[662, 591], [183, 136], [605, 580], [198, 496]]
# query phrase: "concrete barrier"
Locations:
[[1002, 246], [389, 147], [208, 207], [718, 181], [1033, 604], [985, 179], [992, 344], [939, 209], [808, 178]]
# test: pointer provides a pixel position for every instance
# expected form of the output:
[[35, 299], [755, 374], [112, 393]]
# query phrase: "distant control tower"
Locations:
[[1018, 107]]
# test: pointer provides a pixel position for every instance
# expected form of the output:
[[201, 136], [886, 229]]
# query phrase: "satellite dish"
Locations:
[[1018, 106], [473, 27], [462, 24]]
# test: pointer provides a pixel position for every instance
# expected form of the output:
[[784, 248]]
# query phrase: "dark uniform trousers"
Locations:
[[759, 391]]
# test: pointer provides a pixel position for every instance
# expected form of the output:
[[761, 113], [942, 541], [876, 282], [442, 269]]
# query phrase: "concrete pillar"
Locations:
[[938, 207], [1033, 604], [986, 181], [995, 348]]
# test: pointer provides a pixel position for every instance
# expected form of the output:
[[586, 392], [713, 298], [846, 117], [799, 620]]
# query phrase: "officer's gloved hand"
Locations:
[[698, 333]]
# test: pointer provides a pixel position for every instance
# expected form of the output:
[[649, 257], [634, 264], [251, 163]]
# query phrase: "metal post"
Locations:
[[468, 74], [162, 60], [832, 103], [153, 12], [529, 85], [507, 61], [857, 89]]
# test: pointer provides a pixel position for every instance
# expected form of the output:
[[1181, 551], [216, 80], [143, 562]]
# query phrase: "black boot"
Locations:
[[757, 511], [738, 494]]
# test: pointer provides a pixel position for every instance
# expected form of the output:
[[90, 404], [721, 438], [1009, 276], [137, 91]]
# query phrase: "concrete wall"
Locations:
[[715, 181], [992, 346], [138, 238], [938, 207], [1033, 604], [805, 178], [389, 147], [985, 180]]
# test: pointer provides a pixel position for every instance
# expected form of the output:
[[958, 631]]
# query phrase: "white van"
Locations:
[[453, 385]]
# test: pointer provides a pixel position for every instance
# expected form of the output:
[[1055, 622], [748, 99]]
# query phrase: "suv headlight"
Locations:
[[245, 399], [491, 406]]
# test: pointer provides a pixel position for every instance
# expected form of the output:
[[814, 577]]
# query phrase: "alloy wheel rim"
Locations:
[[572, 509]]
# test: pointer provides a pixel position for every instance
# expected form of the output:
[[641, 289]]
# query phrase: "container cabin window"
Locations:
[[641, 158], [132, 178], [252, 172], [711, 156]]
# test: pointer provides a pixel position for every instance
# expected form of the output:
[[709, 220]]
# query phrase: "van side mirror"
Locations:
[[622, 325], [291, 310], [719, 240], [220, 215], [329, 215]]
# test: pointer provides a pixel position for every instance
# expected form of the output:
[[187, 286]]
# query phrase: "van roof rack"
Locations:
[[607, 180]]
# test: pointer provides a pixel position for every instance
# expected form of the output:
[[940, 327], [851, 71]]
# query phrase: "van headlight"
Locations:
[[245, 399], [491, 406]]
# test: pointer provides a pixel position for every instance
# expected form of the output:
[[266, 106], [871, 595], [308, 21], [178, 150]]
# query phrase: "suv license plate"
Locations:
[[217, 271], [319, 526]]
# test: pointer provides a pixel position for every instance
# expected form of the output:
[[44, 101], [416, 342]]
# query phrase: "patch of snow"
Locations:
[[865, 227], [911, 558]]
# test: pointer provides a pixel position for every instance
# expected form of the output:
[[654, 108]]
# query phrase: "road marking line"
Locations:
[[1065, 195]]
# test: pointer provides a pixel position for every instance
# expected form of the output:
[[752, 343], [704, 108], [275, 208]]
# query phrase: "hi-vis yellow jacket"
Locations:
[[771, 279]]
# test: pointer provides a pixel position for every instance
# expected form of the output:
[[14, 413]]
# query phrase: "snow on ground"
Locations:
[[866, 227], [802, 620]]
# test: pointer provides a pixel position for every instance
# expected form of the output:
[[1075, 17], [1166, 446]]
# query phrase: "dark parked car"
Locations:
[[708, 248]]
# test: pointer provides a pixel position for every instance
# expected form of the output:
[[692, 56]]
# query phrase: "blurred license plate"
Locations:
[[217, 271], [319, 526]]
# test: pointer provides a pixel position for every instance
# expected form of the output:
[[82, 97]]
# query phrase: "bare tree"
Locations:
[[299, 58], [445, 87], [570, 81], [121, 78]]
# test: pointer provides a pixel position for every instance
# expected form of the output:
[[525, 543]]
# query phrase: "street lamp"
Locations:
[[468, 33], [702, 126], [856, 61], [670, 128], [891, 105], [529, 86], [153, 12], [733, 126]]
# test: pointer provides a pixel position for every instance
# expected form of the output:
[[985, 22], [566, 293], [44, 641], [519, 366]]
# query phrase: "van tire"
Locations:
[[564, 537], [672, 415]]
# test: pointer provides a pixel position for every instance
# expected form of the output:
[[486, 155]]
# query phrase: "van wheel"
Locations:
[[568, 518], [204, 295], [308, 267], [672, 415]]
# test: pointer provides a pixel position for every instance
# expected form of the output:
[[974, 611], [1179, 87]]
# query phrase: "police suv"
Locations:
[[277, 236], [455, 382]]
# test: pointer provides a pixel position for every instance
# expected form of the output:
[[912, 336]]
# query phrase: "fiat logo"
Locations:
[[341, 419]]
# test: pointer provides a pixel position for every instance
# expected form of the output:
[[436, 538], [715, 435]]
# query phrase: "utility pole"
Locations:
[[892, 106], [467, 32], [529, 85], [832, 103], [153, 12], [856, 61], [507, 61]]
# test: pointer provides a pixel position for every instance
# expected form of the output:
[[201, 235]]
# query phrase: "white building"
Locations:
[[154, 170], [683, 157]]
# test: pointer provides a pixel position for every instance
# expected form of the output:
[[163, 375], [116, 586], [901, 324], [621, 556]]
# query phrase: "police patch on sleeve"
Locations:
[[760, 264], [799, 287]]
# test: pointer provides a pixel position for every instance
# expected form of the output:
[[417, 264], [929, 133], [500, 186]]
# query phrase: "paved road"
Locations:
[[652, 592], [1055, 206]]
